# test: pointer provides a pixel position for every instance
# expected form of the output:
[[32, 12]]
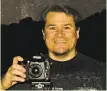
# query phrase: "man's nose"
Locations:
[[60, 33]]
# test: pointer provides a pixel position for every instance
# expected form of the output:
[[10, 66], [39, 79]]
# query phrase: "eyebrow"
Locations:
[[50, 25], [55, 25], [67, 24]]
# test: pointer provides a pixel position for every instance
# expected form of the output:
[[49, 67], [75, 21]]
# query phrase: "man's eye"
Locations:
[[66, 27], [52, 28]]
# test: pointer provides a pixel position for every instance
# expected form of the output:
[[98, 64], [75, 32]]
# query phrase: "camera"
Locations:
[[38, 71]]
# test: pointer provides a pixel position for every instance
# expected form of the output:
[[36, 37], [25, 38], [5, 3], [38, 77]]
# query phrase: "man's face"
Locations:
[[60, 33]]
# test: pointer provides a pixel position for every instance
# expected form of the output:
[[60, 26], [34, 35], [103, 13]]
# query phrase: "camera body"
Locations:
[[38, 72], [37, 68]]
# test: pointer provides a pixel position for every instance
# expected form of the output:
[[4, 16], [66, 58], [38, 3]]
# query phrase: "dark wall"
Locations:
[[25, 39], [92, 40]]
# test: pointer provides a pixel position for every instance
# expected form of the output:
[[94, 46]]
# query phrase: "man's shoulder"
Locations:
[[88, 58], [91, 62]]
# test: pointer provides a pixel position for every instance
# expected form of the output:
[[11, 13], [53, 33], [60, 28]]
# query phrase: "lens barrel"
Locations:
[[35, 70]]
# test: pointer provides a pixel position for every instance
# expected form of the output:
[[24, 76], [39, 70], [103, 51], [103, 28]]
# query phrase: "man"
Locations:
[[70, 69]]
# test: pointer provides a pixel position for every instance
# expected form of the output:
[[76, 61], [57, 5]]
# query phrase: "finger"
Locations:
[[16, 59], [13, 83], [18, 67], [18, 79], [18, 73]]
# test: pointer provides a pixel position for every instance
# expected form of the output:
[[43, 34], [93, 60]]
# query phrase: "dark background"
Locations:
[[21, 29]]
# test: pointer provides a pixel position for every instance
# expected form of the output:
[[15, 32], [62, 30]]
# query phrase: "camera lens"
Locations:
[[35, 70]]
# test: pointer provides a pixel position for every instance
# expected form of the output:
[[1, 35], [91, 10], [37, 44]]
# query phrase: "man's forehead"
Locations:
[[54, 18], [57, 17]]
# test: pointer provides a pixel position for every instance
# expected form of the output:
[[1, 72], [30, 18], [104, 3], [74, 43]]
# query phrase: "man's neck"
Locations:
[[63, 58]]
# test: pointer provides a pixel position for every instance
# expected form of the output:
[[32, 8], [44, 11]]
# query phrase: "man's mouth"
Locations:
[[59, 42]]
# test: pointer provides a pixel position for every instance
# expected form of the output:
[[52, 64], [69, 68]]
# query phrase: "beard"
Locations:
[[60, 53], [60, 50]]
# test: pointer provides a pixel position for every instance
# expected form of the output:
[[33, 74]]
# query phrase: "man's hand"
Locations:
[[15, 74]]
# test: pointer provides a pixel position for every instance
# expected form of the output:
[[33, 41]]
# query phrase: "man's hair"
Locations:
[[61, 8]]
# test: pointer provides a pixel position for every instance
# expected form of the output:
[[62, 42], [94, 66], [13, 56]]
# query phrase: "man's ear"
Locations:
[[77, 32], [43, 34]]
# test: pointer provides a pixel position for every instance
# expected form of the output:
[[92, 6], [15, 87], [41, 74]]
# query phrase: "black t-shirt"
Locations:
[[79, 73]]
